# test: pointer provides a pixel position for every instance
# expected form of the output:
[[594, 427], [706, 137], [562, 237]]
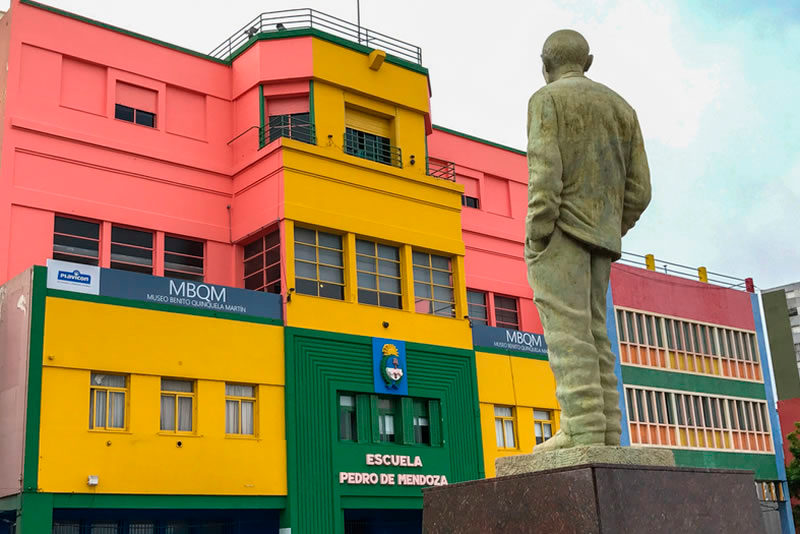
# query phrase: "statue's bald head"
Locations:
[[565, 50]]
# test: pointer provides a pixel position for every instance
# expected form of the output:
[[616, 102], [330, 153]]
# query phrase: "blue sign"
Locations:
[[76, 277], [389, 366], [507, 339], [190, 294]]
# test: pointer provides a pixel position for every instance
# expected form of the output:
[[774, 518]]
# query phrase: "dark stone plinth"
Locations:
[[598, 499]]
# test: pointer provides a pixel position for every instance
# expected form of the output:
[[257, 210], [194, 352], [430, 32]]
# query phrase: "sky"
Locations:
[[714, 84]]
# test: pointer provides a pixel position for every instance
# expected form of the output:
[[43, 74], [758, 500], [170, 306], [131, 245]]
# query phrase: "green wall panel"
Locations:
[[762, 464], [637, 376], [781, 344], [318, 364]]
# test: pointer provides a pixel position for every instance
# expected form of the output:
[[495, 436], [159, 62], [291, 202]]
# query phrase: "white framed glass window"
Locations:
[[504, 427], [107, 398], [177, 405], [240, 405]]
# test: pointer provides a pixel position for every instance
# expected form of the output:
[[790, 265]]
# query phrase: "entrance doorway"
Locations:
[[382, 521]]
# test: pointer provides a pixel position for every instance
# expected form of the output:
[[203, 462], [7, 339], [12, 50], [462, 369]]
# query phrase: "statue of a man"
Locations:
[[588, 184]]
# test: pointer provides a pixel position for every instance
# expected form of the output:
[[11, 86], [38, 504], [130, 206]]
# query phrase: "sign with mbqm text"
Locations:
[[508, 339], [79, 278], [135, 286]]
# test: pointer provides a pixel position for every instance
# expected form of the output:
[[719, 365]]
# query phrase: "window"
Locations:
[[292, 125], [319, 266], [433, 285], [262, 263], [387, 408], [131, 250], [378, 268], [368, 136], [369, 146], [177, 400], [542, 425], [136, 104], [240, 403], [141, 527], [470, 202], [348, 424], [505, 312], [504, 427], [76, 240], [107, 402], [104, 527], [422, 428], [477, 308], [137, 116], [183, 258], [66, 527]]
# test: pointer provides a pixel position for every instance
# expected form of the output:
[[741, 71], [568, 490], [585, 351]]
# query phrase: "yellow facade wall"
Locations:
[[147, 345], [521, 383]]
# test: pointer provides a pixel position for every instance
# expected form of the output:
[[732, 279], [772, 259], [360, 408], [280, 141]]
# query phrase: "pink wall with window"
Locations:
[[493, 231], [163, 162]]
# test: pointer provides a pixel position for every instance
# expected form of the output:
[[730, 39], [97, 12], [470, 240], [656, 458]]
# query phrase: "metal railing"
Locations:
[[684, 271], [294, 19], [372, 147], [289, 126], [446, 170]]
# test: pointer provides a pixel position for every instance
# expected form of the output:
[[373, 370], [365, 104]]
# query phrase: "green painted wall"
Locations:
[[638, 376], [318, 365], [781, 345], [762, 464]]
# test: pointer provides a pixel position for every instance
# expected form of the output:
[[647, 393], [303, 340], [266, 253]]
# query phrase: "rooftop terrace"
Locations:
[[299, 19]]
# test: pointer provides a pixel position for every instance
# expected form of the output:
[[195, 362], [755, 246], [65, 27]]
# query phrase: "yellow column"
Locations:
[[460, 287], [407, 277], [350, 274]]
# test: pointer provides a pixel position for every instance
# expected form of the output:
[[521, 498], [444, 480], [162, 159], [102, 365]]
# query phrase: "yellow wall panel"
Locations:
[[350, 198], [521, 383], [147, 345], [134, 340], [534, 383], [344, 67], [495, 382], [360, 319], [142, 459]]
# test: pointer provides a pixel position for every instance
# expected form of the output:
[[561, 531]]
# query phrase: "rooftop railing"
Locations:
[[685, 271], [295, 19]]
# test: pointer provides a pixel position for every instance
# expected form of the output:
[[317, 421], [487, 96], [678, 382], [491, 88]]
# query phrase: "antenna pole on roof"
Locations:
[[358, 18]]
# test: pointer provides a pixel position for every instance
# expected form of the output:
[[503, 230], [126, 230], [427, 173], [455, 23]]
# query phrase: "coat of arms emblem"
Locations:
[[390, 366]]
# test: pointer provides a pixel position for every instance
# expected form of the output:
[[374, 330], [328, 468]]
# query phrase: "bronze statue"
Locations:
[[588, 184]]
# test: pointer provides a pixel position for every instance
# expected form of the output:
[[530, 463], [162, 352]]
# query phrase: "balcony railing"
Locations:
[[446, 170], [372, 147], [289, 126], [295, 19]]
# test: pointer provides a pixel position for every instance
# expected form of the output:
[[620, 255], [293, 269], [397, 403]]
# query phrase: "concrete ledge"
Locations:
[[541, 461]]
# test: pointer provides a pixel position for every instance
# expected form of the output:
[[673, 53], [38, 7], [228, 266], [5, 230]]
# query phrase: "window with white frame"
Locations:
[[107, 400], [177, 405], [240, 406], [504, 427]]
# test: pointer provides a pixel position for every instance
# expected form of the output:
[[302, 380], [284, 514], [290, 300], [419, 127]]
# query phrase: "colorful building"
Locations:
[[258, 291]]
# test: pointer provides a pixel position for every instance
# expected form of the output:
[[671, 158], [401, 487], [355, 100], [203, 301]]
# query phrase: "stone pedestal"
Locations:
[[598, 499]]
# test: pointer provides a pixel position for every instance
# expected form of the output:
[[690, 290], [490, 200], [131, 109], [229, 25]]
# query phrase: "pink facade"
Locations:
[[494, 232], [63, 151], [667, 295]]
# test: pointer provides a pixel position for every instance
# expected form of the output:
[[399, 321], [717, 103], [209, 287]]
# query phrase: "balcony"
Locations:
[[296, 126], [300, 19], [372, 147], [444, 170]]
